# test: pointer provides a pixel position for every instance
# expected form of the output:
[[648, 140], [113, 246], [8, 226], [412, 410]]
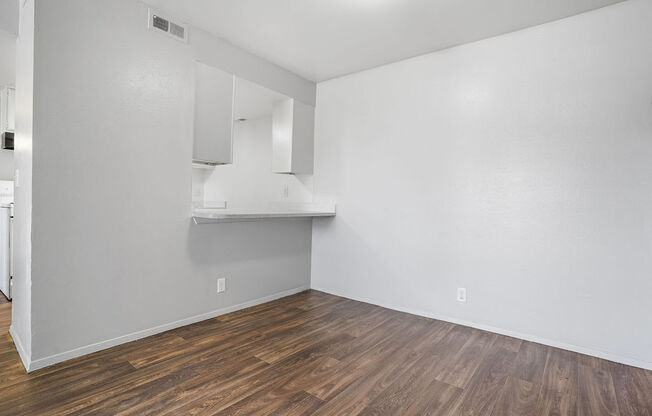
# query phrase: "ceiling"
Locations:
[[323, 39]]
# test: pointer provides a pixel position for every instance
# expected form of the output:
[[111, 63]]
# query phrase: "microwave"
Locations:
[[8, 140]]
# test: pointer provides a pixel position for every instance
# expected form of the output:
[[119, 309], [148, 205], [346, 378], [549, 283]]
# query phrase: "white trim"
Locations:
[[22, 353], [527, 337], [77, 352]]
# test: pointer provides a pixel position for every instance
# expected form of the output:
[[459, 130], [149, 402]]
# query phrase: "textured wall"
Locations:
[[518, 167]]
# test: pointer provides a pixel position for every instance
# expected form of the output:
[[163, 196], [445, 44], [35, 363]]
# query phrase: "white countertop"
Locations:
[[211, 215]]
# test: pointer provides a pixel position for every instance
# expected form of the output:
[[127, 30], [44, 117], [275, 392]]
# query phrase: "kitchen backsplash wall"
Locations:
[[249, 181]]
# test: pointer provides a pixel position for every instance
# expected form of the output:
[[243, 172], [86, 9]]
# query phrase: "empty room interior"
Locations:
[[326, 207]]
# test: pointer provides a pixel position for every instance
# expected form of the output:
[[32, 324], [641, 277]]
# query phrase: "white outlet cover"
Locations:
[[461, 294], [221, 285]]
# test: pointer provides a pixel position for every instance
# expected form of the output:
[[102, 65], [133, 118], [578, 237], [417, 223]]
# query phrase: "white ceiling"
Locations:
[[323, 39]]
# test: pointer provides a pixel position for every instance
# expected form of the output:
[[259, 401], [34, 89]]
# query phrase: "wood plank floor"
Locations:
[[317, 354], [5, 314]]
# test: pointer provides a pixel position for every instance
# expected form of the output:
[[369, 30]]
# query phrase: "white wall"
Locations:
[[519, 167], [249, 181], [7, 77], [21, 323], [9, 16], [115, 255]]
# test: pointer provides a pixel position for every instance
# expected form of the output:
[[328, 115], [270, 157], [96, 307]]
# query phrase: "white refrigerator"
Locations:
[[6, 221]]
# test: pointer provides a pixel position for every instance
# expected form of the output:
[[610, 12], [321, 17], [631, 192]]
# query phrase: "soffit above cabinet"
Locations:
[[254, 101]]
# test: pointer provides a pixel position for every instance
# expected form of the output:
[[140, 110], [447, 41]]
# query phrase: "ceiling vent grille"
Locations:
[[160, 22]]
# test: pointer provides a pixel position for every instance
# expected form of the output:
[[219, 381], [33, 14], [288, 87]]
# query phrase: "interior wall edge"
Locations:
[[501, 331], [102, 345]]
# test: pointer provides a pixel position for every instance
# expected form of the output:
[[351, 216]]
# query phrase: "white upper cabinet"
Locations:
[[293, 127], [213, 125]]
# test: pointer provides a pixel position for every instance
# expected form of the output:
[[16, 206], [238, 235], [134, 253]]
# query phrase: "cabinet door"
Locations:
[[303, 138], [213, 127], [282, 128], [293, 137]]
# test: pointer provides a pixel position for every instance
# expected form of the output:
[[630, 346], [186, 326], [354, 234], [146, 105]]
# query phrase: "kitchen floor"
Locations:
[[317, 354], [5, 314]]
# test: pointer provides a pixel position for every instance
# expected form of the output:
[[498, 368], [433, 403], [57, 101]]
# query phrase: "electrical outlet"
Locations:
[[221, 285], [286, 192], [461, 294]]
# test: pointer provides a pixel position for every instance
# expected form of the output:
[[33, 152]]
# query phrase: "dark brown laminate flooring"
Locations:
[[5, 317], [317, 354]]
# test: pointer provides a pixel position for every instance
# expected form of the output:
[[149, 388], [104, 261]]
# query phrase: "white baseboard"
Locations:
[[78, 352], [514, 334], [24, 355]]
